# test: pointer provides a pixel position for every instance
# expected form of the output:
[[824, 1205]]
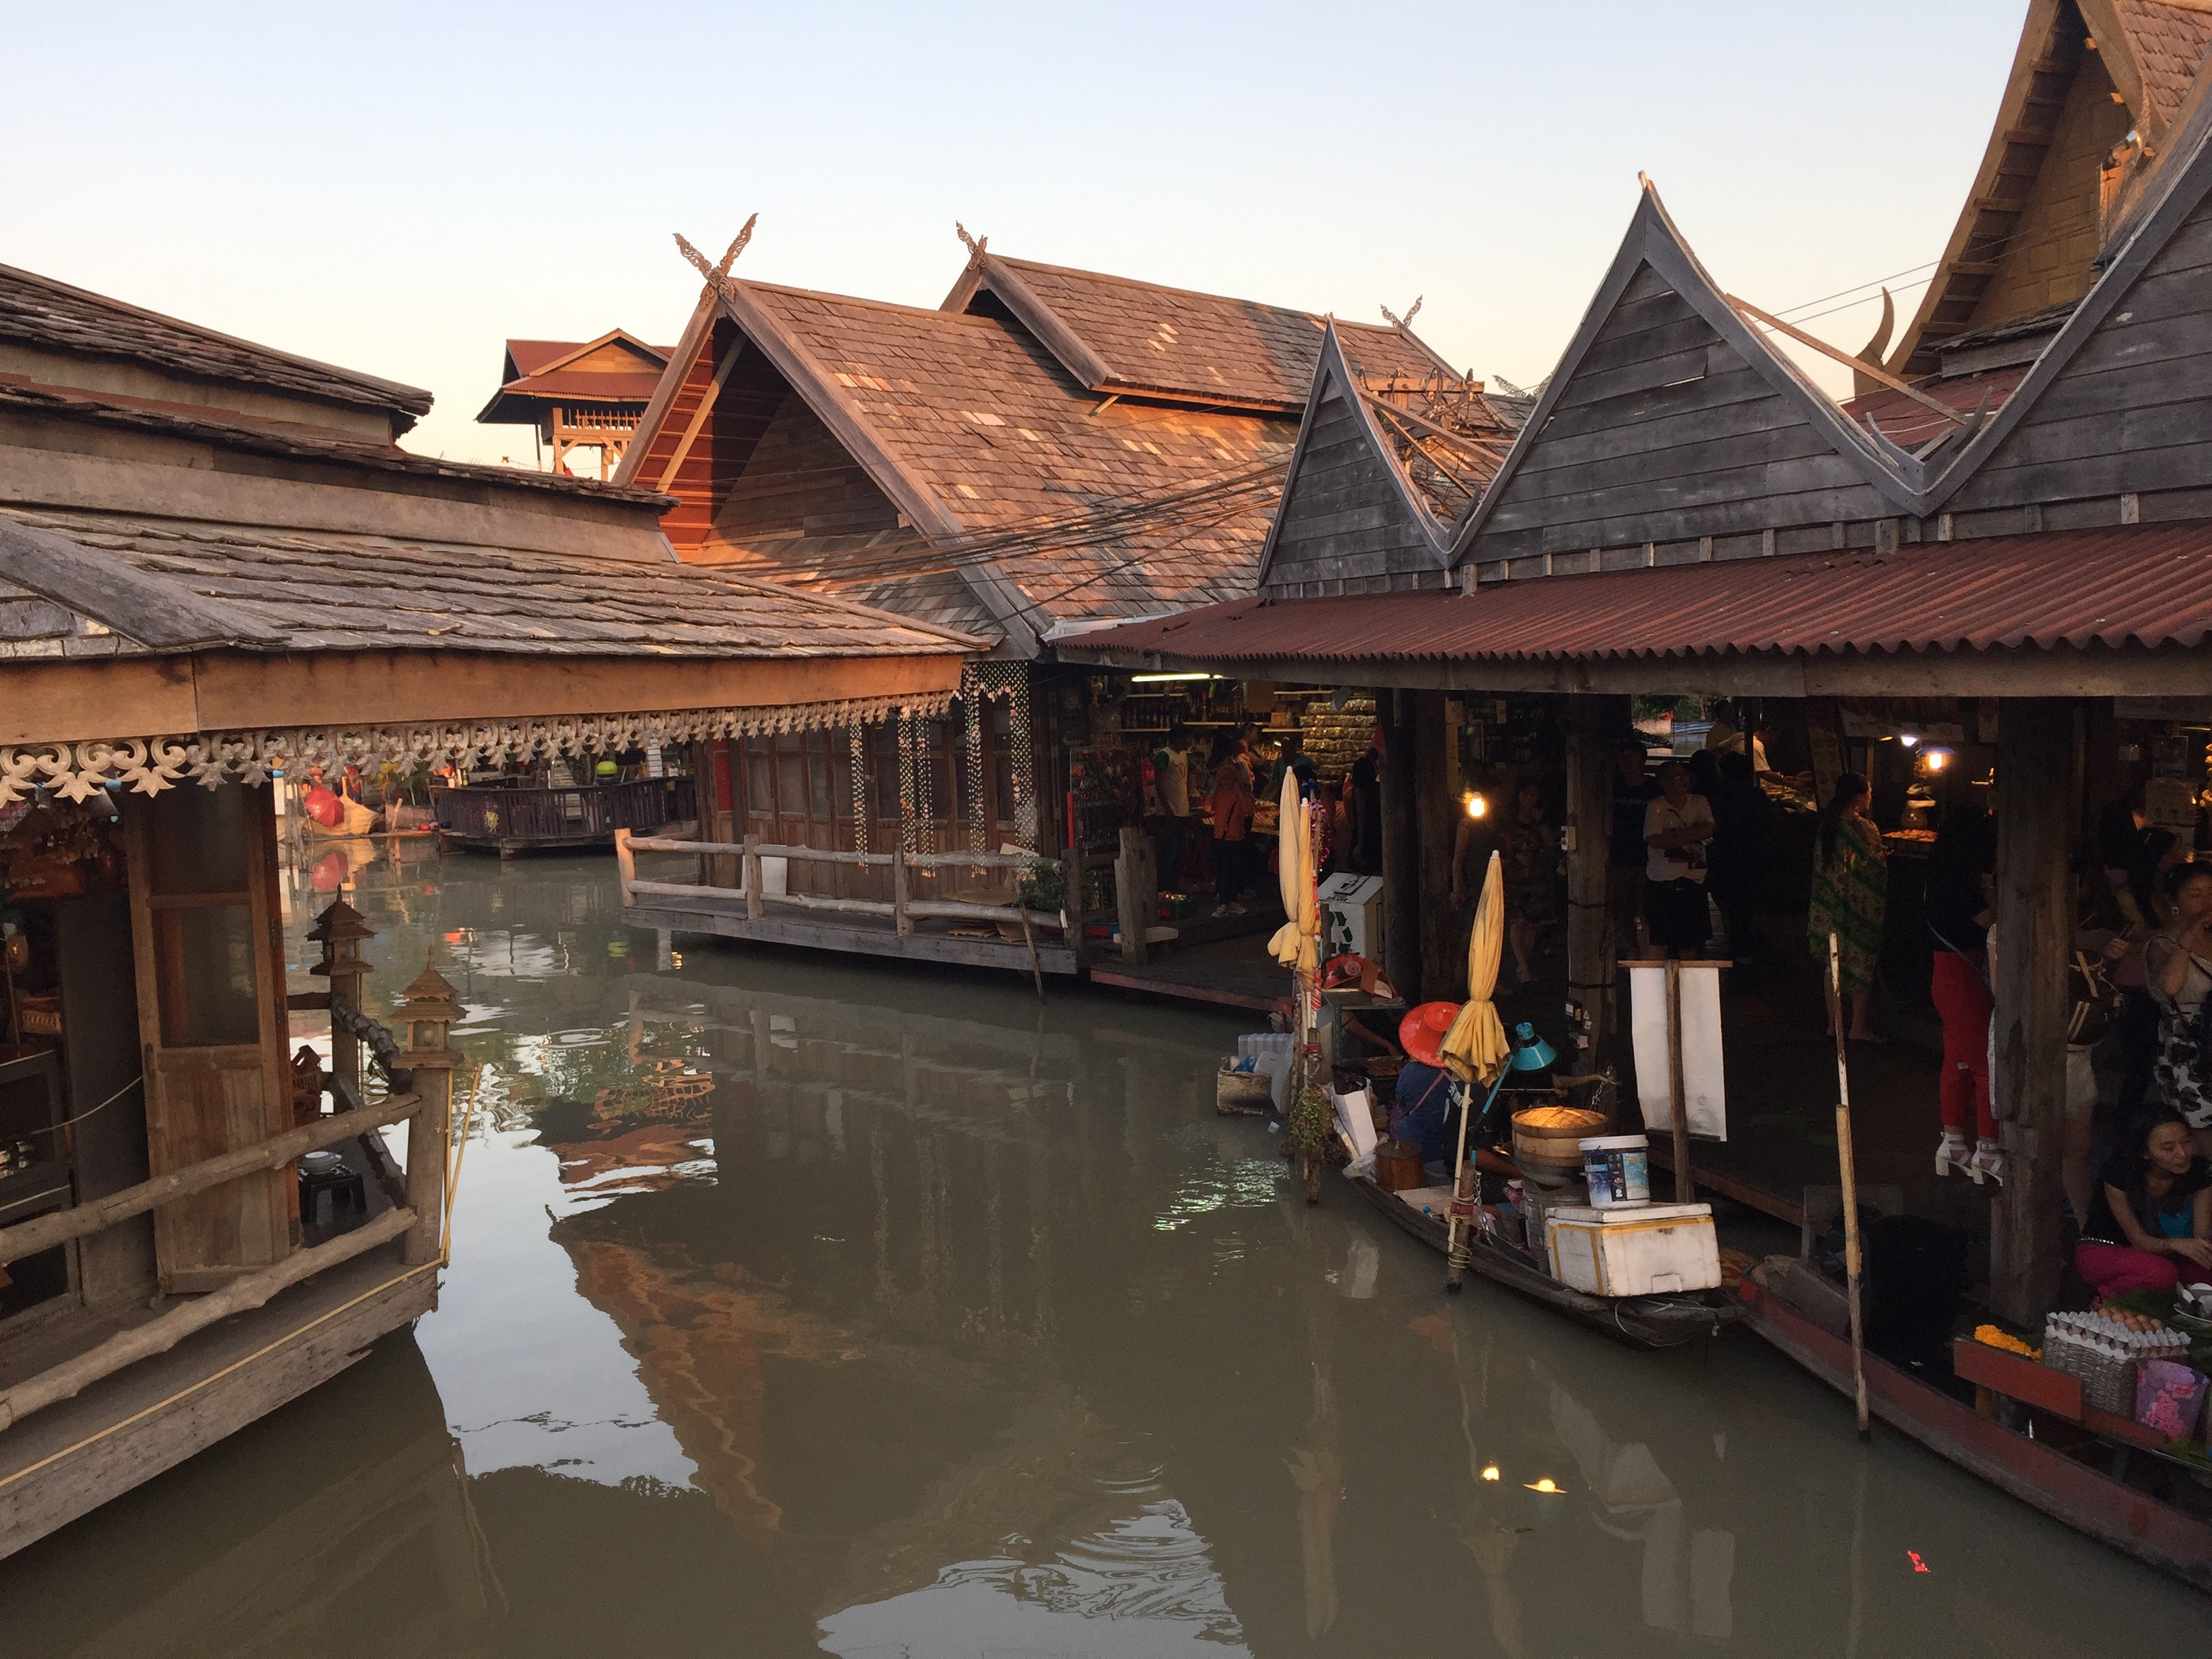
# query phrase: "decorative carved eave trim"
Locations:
[[149, 765]]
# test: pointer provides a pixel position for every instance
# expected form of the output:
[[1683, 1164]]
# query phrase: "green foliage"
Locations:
[[1044, 888]]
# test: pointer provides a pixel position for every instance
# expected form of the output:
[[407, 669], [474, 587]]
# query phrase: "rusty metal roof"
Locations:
[[2148, 584]]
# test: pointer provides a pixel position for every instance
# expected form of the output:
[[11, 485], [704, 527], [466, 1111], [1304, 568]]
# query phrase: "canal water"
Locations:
[[801, 1306]]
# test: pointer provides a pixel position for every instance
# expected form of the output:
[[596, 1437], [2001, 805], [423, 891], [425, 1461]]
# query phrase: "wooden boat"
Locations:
[[2077, 1464], [1649, 1322], [510, 820]]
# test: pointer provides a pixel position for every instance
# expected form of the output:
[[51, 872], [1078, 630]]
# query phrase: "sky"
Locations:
[[400, 188]]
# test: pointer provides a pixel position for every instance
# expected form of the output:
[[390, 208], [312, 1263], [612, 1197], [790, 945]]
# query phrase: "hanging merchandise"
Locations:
[[853, 752]]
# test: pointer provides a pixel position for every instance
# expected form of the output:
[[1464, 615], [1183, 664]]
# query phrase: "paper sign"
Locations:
[[1704, 1089]]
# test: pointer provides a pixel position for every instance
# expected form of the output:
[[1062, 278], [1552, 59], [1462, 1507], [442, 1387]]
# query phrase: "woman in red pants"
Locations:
[[2150, 1224], [1959, 916]]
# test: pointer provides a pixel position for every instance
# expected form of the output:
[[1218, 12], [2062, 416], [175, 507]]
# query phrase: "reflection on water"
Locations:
[[799, 1306]]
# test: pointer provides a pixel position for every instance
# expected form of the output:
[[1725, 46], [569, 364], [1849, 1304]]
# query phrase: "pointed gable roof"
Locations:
[[1354, 517], [616, 368], [1670, 418], [2044, 196], [1117, 336], [988, 451], [2120, 403]]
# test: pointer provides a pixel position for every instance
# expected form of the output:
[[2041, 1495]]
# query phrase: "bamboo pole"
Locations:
[[1849, 1176], [1678, 1105], [158, 1336], [48, 1231]]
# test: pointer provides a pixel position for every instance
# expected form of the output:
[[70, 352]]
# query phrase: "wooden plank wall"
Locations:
[[796, 481], [1345, 519], [2131, 413], [1667, 434]]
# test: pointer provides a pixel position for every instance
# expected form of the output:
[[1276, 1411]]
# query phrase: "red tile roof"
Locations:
[[1908, 423], [2148, 585]]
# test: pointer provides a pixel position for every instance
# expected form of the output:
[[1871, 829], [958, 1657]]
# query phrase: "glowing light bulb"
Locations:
[[1490, 1474], [1545, 1484], [1937, 758], [1907, 739], [1477, 807]]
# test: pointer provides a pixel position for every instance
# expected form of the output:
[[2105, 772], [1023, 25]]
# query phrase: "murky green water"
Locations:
[[799, 1306]]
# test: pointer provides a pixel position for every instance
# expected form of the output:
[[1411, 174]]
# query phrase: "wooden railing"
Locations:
[[422, 1082], [902, 907], [584, 812]]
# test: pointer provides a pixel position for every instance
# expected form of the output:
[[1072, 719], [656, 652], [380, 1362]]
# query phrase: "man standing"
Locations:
[[1171, 778]]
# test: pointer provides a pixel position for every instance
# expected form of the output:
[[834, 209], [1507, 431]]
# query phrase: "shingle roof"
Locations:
[[1128, 335], [172, 585], [71, 319], [2168, 43], [998, 441], [297, 443]]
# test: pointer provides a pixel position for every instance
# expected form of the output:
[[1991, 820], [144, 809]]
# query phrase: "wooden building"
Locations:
[[573, 394], [216, 568], [1047, 452]]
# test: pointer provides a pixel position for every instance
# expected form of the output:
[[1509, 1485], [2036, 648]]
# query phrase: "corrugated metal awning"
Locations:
[[2142, 584]]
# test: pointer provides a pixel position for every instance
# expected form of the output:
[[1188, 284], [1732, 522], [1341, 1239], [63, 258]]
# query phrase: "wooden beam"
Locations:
[[1401, 849], [707, 403], [158, 1336], [2034, 937], [1595, 727], [47, 1231], [1880, 376], [1496, 449]]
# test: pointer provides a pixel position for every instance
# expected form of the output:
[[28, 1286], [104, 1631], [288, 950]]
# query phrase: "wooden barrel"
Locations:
[[1398, 1166], [1552, 1135]]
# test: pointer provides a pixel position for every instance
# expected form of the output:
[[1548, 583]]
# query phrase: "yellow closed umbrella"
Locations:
[[1475, 1048], [1297, 943], [1477, 1038]]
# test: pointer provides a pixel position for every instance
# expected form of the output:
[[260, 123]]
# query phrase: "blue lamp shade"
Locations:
[[1530, 1052]]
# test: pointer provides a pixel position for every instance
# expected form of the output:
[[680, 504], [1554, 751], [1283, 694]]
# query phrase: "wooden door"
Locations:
[[210, 1022]]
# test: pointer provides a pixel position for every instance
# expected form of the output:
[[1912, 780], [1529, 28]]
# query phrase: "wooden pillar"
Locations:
[[1436, 812], [428, 1011], [2036, 789], [1401, 898], [1594, 727], [1136, 892], [341, 931]]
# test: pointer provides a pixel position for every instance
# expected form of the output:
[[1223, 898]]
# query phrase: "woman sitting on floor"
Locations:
[[2150, 1224]]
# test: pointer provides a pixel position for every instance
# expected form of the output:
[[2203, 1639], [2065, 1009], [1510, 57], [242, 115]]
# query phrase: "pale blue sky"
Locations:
[[398, 188]]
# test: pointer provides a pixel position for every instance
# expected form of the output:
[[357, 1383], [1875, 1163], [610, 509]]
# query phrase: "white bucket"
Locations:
[[1617, 1168]]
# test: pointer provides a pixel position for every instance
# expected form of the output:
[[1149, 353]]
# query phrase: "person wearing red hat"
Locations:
[[1425, 1097]]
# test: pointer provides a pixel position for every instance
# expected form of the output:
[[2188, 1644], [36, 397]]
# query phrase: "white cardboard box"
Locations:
[[1644, 1249], [1352, 916]]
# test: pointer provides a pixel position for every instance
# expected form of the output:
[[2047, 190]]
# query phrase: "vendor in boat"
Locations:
[[2150, 1223], [1427, 1108]]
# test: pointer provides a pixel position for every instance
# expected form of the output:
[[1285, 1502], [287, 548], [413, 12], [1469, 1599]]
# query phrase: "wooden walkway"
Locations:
[[1234, 972], [864, 935]]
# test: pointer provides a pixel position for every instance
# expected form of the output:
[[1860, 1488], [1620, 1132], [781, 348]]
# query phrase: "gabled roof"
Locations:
[[2125, 372], [1116, 335], [616, 368], [1373, 490], [1005, 468], [72, 320], [1659, 337], [2038, 193], [164, 585]]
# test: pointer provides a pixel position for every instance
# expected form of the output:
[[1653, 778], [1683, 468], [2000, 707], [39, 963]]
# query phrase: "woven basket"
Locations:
[[2107, 1382]]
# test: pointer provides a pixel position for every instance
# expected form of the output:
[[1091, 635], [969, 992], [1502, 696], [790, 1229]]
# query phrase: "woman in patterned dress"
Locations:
[[1851, 889]]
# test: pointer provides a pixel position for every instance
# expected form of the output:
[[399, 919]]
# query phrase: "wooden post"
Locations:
[[1436, 812], [1401, 898], [1678, 1104], [1071, 878], [1594, 727], [1847, 1173], [754, 903], [902, 888], [428, 1011], [341, 931], [1136, 892], [2034, 934], [625, 865]]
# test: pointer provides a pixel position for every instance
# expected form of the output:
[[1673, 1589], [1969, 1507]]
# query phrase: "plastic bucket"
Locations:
[[1617, 1168]]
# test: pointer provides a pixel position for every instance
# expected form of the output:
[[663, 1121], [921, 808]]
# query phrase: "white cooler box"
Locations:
[[1643, 1249]]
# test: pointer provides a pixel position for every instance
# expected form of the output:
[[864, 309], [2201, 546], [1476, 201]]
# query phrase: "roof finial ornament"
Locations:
[[1406, 321], [718, 275], [975, 244]]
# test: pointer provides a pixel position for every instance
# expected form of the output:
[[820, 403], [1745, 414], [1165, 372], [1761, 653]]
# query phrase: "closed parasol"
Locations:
[[1297, 943], [1475, 1048]]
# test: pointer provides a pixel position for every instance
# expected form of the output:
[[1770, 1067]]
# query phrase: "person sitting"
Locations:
[[1423, 1112], [2150, 1221]]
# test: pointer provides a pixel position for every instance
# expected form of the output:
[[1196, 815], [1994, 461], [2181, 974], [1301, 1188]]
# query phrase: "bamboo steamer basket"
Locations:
[[1552, 1135], [1398, 1166]]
